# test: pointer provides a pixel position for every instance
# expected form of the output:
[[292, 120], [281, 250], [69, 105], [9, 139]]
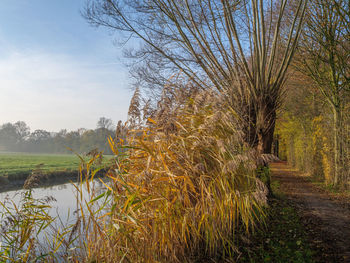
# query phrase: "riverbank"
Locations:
[[50, 169], [51, 178], [46, 179]]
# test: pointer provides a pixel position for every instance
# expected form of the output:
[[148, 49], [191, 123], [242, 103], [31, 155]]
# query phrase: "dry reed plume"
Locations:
[[183, 189]]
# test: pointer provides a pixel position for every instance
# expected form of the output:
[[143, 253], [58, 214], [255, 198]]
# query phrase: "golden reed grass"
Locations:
[[183, 188]]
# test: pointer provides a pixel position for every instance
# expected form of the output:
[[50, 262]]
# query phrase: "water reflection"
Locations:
[[63, 201], [64, 194]]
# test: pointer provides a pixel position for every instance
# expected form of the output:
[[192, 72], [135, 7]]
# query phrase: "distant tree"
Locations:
[[104, 123], [59, 142], [8, 136], [40, 135], [81, 131], [39, 141], [17, 137], [72, 140], [62, 133], [22, 130], [88, 141]]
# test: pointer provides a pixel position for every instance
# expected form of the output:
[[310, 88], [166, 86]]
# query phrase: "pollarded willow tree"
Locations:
[[242, 48]]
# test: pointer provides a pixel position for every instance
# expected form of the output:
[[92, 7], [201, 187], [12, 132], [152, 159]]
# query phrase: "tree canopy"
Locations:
[[242, 48]]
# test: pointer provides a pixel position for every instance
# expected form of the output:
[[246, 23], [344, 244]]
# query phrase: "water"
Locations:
[[63, 206], [64, 194]]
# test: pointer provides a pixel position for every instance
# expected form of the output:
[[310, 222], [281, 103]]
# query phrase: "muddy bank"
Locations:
[[44, 180]]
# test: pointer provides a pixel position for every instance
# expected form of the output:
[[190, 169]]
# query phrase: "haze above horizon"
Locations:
[[56, 71]]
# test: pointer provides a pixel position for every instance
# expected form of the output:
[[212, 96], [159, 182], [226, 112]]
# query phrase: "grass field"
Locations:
[[16, 166]]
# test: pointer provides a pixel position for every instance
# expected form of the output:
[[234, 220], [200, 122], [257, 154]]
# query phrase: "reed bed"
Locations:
[[183, 189]]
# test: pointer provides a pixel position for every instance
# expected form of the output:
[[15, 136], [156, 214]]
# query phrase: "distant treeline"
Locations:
[[17, 137]]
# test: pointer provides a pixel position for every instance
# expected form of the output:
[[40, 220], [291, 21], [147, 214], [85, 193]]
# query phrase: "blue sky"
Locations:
[[56, 71]]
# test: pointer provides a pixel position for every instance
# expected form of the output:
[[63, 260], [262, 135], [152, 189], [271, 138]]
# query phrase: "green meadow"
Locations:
[[16, 166]]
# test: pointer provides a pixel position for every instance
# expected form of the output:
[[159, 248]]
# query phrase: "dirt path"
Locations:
[[326, 220]]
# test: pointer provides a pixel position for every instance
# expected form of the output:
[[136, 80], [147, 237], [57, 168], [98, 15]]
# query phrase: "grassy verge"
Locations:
[[330, 189], [18, 166], [283, 239]]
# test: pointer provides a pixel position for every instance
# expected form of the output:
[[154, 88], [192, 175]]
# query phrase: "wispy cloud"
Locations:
[[54, 91]]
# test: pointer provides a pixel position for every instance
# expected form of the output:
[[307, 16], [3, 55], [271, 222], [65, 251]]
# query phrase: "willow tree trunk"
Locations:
[[265, 127], [266, 120]]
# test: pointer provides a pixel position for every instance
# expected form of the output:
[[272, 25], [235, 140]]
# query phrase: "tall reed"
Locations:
[[183, 189]]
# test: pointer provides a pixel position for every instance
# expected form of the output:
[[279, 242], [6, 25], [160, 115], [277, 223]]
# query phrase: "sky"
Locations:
[[57, 71]]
